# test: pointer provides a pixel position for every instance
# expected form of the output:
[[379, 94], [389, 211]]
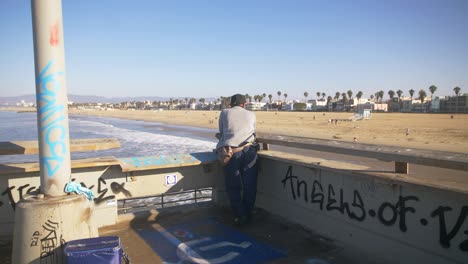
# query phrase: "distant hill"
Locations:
[[90, 99]]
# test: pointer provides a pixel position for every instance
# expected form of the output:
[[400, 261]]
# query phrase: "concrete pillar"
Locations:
[[44, 223], [51, 96]]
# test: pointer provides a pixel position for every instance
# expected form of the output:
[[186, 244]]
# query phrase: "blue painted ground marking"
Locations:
[[207, 241]]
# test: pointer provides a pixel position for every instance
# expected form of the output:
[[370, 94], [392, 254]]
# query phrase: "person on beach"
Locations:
[[237, 132]]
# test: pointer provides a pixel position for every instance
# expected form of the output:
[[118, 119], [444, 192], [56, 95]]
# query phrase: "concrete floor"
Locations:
[[293, 243]]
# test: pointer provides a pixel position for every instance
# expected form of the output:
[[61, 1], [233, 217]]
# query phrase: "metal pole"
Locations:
[[51, 96]]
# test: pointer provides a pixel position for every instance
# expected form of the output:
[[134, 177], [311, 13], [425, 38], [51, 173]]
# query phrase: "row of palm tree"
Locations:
[[378, 96]]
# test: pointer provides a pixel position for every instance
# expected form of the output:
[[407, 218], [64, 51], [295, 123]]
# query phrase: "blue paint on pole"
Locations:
[[55, 131], [207, 241]]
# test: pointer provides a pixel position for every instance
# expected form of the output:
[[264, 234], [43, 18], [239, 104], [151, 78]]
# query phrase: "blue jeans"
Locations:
[[241, 181]]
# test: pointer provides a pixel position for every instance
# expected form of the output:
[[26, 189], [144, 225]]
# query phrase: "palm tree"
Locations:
[[391, 94], [279, 94], [350, 94], [305, 95], [270, 97], [411, 93], [186, 101], [337, 95], [422, 96], [323, 95], [457, 91], [399, 93], [381, 94], [345, 97], [318, 95], [358, 96], [263, 95], [345, 100], [432, 89], [285, 95]]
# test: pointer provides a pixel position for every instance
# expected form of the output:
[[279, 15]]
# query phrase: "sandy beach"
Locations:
[[426, 131]]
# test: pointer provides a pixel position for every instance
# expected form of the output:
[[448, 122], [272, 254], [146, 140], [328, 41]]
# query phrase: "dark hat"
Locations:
[[237, 99]]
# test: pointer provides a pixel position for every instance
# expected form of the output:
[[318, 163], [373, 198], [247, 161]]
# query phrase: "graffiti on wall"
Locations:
[[49, 242], [21, 190], [389, 213], [102, 190], [103, 193], [52, 115]]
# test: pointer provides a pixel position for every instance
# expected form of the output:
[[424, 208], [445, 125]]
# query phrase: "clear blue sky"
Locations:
[[197, 48]]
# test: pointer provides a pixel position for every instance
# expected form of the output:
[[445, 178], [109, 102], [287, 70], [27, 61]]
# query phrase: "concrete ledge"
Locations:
[[76, 145], [15, 168], [441, 159], [353, 169], [166, 161]]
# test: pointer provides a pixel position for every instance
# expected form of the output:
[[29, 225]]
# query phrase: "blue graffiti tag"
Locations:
[[52, 114], [159, 160]]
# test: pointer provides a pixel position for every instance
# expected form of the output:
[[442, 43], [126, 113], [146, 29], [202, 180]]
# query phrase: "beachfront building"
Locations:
[[352, 104], [365, 106], [455, 104], [255, 106], [289, 106], [435, 105], [317, 105], [407, 104], [380, 107], [373, 106], [23, 103]]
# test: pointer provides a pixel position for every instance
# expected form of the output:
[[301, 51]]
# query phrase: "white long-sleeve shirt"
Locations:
[[236, 126]]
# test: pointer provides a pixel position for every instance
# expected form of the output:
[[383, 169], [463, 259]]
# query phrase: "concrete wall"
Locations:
[[393, 220], [108, 184]]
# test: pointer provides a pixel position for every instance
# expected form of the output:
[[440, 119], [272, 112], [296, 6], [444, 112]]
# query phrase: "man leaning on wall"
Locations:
[[237, 139]]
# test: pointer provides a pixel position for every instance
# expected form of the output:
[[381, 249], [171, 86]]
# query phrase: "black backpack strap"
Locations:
[[125, 257]]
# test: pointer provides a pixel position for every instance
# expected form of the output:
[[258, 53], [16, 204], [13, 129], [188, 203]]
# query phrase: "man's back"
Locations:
[[236, 126]]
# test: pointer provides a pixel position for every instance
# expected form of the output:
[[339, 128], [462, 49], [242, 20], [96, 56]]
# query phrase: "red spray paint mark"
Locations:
[[53, 35]]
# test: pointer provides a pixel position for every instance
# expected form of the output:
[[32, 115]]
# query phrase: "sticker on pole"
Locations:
[[171, 179]]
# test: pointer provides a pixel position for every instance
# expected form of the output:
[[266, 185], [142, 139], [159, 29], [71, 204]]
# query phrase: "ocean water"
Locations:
[[137, 138]]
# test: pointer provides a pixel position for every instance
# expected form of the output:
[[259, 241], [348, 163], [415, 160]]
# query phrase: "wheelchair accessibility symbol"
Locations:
[[186, 252], [192, 243]]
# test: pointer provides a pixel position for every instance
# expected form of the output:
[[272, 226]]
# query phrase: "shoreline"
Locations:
[[426, 131]]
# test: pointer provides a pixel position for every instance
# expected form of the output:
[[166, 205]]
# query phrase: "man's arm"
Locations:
[[220, 125]]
